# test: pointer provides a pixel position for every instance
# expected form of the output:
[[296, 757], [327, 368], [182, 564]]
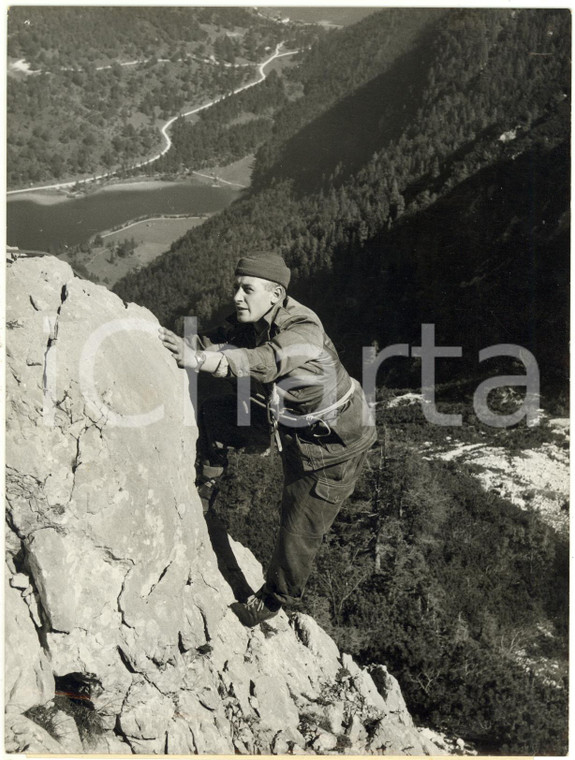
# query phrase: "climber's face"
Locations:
[[254, 297]]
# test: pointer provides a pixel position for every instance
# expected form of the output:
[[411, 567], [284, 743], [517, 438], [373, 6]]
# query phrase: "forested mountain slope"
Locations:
[[461, 593], [484, 100], [441, 81], [94, 85]]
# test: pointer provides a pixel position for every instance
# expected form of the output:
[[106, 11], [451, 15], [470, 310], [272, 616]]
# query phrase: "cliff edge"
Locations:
[[119, 633]]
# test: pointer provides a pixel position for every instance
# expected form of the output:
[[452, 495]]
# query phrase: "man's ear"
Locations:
[[277, 293]]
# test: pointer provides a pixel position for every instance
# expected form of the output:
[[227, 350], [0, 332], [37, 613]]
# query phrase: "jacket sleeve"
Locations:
[[299, 341]]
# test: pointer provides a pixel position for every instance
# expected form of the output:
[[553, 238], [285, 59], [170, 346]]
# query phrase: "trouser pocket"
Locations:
[[337, 481], [332, 492]]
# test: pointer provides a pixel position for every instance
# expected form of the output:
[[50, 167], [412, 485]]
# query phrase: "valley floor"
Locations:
[[152, 237]]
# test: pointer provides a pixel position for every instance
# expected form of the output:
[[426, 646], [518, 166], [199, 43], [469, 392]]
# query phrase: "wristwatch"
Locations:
[[200, 359]]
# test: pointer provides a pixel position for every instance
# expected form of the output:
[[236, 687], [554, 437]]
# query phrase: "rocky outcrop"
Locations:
[[120, 637]]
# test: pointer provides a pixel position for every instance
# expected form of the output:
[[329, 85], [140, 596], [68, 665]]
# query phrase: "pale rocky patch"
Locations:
[[534, 479]]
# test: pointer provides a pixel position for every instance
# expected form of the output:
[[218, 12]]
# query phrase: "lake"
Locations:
[[330, 15], [48, 222]]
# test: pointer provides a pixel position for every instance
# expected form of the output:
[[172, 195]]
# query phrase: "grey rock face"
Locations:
[[120, 636]]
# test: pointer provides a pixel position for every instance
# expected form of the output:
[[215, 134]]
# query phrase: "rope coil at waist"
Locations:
[[275, 417], [318, 414]]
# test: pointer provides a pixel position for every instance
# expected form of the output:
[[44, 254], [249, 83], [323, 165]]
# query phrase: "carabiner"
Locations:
[[327, 427]]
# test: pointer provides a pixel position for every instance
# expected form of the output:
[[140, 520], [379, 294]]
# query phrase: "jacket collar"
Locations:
[[274, 316]]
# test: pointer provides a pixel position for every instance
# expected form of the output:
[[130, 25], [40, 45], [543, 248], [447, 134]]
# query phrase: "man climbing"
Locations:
[[298, 389]]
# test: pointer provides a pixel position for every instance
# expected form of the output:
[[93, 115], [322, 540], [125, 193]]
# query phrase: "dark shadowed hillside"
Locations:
[[332, 74], [358, 125], [488, 263]]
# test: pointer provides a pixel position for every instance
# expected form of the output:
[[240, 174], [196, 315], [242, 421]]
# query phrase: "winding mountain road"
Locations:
[[168, 142]]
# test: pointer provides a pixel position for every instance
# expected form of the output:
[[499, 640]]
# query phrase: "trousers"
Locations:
[[311, 500]]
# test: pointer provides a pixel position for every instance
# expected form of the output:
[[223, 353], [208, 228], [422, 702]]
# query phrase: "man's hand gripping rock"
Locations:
[[184, 354]]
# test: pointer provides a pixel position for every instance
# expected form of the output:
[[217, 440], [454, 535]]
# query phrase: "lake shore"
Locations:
[[147, 220], [41, 197], [136, 184]]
